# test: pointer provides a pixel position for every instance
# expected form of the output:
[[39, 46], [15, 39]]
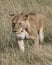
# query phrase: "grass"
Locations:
[[9, 53]]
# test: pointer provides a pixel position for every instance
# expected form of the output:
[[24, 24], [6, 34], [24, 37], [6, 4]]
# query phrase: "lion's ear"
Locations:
[[15, 18], [25, 17]]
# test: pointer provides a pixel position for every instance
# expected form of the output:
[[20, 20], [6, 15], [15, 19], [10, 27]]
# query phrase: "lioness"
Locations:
[[29, 26]]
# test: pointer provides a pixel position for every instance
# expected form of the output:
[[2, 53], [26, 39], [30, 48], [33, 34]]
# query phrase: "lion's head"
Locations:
[[19, 24]]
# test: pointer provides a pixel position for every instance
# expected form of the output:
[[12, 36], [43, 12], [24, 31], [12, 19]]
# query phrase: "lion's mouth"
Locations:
[[20, 35]]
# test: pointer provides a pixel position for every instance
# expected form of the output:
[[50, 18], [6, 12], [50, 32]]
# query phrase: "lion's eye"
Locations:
[[13, 24], [19, 23]]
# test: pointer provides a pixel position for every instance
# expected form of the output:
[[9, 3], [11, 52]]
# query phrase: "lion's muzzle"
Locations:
[[20, 35]]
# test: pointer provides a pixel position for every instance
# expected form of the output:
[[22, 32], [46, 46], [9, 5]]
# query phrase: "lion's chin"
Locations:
[[20, 36]]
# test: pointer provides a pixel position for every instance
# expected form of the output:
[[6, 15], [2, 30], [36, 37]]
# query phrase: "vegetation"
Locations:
[[9, 53]]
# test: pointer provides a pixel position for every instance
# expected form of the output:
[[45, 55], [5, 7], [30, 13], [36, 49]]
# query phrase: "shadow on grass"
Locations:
[[48, 39]]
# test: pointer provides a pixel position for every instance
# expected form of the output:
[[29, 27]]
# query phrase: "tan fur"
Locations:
[[32, 26]]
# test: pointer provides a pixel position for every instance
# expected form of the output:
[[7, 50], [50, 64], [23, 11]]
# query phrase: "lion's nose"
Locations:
[[14, 31], [21, 30]]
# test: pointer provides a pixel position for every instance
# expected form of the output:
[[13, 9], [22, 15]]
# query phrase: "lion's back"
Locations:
[[37, 21]]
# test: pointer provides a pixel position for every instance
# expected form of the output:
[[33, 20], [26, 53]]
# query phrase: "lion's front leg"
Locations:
[[28, 36], [20, 43], [41, 35], [36, 43]]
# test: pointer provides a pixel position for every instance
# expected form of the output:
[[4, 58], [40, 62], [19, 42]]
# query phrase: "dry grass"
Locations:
[[9, 54]]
